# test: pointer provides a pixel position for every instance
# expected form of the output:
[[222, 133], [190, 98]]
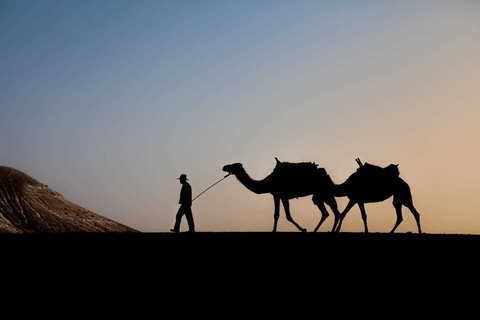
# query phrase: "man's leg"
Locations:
[[178, 219], [189, 216]]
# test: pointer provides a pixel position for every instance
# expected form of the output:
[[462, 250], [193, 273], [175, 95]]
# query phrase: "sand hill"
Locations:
[[28, 206]]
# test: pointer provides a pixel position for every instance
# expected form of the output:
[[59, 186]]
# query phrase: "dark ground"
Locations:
[[270, 274], [247, 247]]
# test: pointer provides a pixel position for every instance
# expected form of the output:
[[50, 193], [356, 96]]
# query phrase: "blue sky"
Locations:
[[109, 101]]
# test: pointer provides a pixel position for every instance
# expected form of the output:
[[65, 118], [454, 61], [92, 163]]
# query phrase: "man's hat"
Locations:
[[183, 176]]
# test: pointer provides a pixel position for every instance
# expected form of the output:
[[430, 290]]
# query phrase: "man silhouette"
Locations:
[[185, 206]]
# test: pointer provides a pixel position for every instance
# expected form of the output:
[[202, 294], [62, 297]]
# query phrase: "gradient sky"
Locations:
[[108, 102]]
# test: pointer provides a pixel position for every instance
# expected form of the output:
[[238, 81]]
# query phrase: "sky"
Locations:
[[108, 102]]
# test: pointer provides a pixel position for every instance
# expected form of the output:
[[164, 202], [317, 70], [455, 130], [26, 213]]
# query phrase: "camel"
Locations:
[[288, 181], [375, 184]]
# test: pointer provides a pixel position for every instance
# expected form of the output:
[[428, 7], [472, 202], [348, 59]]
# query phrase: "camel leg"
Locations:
[[349, 206], [286, 206], [416, 215], [276, 215], [361, 205], [332, 203], [404, 197], [398, 209], [324, 212]]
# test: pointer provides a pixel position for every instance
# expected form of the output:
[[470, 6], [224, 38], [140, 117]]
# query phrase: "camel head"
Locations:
[[233, 168]]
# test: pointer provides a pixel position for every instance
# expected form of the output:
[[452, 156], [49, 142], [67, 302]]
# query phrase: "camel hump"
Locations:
[[370, 169], [300, 168]]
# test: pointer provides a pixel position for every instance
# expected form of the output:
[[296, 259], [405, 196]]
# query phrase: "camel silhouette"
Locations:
[[292, 180], [375, 184]]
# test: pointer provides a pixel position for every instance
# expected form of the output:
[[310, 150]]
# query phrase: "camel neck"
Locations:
[[256, 186]]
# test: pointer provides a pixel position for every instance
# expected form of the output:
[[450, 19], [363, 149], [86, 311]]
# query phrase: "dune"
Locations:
[[28, 206]]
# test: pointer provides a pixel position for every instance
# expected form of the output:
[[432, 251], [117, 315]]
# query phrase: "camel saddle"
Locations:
[[298, 169], [371, 170]]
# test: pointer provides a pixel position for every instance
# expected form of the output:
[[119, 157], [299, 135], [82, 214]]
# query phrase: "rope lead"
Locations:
[[211, 186]]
